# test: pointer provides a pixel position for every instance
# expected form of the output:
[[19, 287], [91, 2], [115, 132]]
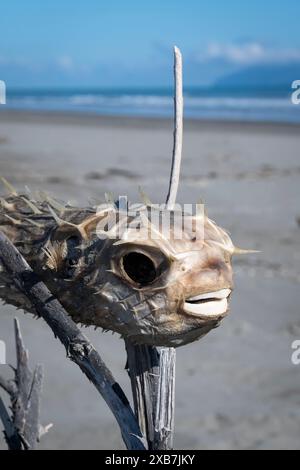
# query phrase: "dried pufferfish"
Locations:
[[159, 291]]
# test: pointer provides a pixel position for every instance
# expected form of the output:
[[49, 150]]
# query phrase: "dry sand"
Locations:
[[237, 387]]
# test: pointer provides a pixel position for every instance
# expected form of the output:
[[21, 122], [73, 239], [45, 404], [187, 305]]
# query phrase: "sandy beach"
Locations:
[[236, 388]]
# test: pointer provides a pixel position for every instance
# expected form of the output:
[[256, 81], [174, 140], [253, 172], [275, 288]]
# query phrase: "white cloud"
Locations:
[[65, 62], [249, 53]]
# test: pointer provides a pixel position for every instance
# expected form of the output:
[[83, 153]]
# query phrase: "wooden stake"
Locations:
[[152, 374], [178, 130]]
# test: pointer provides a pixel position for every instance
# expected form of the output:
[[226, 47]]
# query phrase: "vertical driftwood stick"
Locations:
[[23, 430], [152, 374], [178, 130], [152, 370]]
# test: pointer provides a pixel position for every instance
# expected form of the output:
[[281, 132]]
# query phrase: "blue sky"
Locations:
[[129, 42]]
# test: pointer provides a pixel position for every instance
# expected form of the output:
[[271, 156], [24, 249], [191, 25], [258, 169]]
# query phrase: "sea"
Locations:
[[234, 103]]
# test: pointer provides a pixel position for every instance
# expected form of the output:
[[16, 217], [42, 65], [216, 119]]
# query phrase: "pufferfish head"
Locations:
[[132, 275]]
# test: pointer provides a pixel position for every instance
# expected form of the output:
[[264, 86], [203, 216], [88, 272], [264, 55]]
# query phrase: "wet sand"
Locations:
[[236, 388]]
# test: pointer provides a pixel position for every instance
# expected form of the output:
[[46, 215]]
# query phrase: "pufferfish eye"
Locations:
[[139, 268]]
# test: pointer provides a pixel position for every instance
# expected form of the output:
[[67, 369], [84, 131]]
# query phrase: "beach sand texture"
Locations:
[[236, 388]]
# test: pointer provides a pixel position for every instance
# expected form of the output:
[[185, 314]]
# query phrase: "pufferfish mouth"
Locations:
[[208, 305]]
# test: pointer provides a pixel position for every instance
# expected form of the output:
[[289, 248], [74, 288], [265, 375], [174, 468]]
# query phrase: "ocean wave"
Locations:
[[167, 101], [228, 106], [125, 100]]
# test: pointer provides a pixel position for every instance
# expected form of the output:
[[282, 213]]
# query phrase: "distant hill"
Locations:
[[262, 76]]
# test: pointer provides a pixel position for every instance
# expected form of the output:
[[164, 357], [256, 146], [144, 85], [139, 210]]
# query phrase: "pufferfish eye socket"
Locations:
[[73, 253], [139, 268]]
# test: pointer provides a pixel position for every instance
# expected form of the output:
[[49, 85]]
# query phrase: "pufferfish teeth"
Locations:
[[209, 305], [219, 294]]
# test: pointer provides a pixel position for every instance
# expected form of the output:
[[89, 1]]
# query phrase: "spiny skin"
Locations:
[[87, 274]]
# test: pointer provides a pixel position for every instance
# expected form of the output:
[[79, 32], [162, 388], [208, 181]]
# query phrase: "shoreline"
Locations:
[[144, 122]]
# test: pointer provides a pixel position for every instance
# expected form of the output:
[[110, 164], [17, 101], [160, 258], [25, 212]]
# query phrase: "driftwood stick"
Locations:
[[22, 430], [24, 380], [32, 428], [78, 347], [152, 374], [8, 386], [12, 437], [178, 131]]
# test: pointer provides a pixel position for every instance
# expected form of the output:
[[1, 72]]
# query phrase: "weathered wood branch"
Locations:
[[22, 430], [178, 131], [78, 347], [7, 385], [11, 435], [152, 374]]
